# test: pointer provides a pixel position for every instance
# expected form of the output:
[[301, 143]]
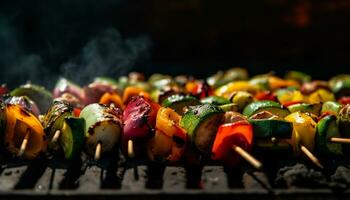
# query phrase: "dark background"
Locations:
[[80, 39]]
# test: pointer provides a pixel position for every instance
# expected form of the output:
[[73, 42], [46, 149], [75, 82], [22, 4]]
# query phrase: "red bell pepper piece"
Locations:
[[3, 90], [266, 95], [238, 133], [199, 89], [344, 100]]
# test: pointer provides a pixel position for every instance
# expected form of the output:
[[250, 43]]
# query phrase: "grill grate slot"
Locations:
[[134, 178]]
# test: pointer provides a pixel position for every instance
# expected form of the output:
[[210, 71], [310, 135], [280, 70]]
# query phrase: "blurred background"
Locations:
[[80, 39]]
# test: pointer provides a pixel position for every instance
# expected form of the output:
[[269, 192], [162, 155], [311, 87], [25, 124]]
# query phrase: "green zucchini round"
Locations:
[[178, 102], [271, 106], [201, 123], [327, 128]]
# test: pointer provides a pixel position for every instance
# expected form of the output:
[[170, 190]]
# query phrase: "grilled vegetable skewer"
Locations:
[[169, 141], [24, 134], [65, 132], [203, 125], [139, 118], [303, 138], [102, 128]]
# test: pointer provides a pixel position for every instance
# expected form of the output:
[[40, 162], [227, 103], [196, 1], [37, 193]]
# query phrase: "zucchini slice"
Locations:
[[216, 100], [178, 102], [267, 128], [327, 128], [306, 108], [201, 123], [265, 105]]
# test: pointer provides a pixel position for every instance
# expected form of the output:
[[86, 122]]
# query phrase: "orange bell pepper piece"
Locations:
[[131, 91], [19, 124], [109, 98]]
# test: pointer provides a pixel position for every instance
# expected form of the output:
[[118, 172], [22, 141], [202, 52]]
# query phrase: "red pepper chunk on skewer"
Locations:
[[229, 136]]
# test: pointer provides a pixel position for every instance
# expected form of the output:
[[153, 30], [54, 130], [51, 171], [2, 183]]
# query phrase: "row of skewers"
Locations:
[[170, 119]]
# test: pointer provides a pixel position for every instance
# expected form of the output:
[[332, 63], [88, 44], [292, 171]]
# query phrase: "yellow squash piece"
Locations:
[[292, 96], [19, 124], [320, 96], [304, 131], [228, 89]]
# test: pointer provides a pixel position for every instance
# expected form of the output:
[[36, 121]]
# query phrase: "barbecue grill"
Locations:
[[117, 178], [274, 35]]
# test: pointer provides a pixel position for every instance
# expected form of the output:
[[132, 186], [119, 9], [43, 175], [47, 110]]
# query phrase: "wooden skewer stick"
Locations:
[[340, 140], [24, 144], [274, 140], [311, 156], [98, 151], [131, 153], [253, 161], [56, 136]]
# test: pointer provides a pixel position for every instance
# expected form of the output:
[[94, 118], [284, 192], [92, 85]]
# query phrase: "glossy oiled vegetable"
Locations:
[[102, 125], [343, 119], [112, 98], [229, 135], [180, 102], [306, 108], [25, 103], [268, 128], [327, 128], [169, 142], [20, 123], [55, 116], [265, 105], [38, 94], [201, 123], [139, 118], [304, 131]]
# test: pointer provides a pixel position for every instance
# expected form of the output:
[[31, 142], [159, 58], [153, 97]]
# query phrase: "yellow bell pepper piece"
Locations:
[[292, 96], [320, 96], [304, 131], [228, 89]]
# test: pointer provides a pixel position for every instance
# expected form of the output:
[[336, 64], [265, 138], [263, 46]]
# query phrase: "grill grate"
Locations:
[[117, 179]]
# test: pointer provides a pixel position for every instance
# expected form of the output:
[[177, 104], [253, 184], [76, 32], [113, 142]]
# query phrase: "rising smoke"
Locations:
[[108, 54], [79, 39]]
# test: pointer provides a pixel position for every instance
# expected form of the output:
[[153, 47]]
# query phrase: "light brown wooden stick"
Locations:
[[56, 136], [274, 140], [24, 144], [248, 157], [340, 140], [131, 153], [311, 156], [98, 151]]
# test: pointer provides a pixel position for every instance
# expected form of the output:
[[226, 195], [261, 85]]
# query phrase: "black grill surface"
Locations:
[[115, 178]]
